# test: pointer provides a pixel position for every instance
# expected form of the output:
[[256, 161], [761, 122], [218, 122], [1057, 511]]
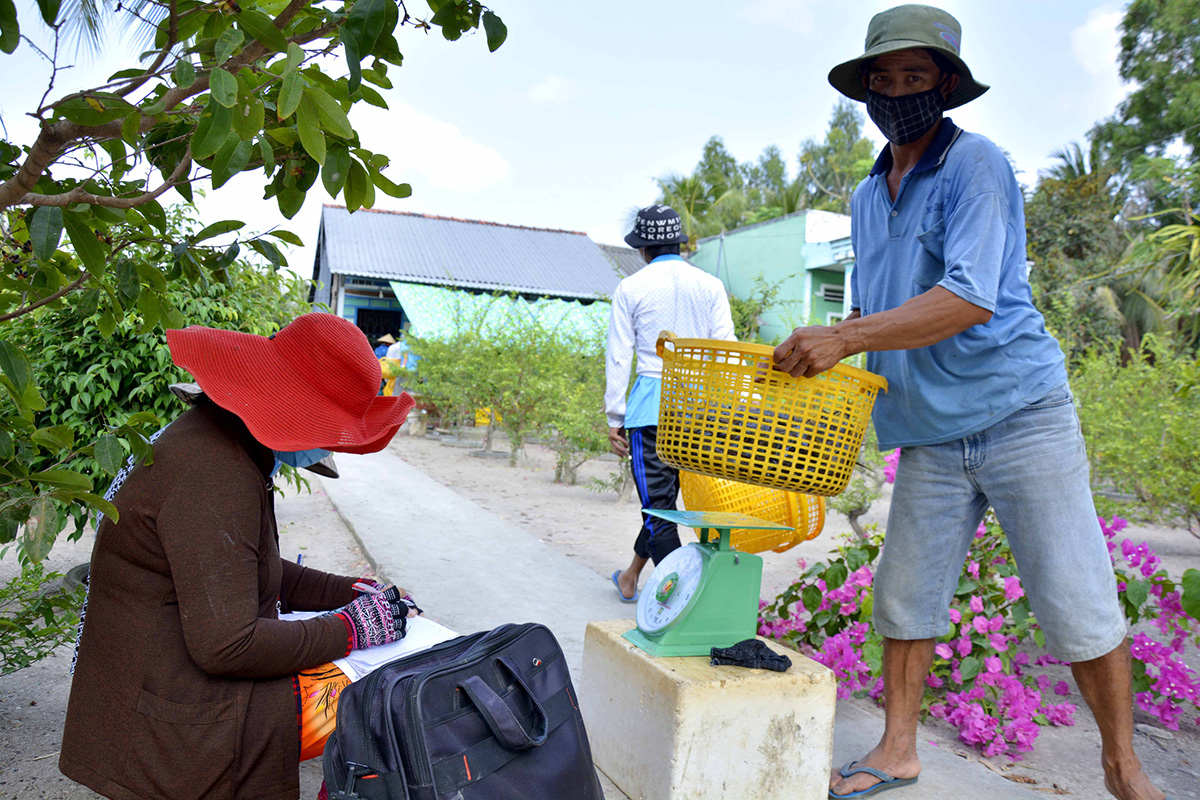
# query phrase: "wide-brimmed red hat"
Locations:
[[315, 384]]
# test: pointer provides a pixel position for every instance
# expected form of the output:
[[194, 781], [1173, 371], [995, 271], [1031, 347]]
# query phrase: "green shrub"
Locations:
[[1139, 420], [104, 381], [36, 616], [535, 378]]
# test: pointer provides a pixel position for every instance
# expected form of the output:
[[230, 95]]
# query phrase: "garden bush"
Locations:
[[536, 379], [1139, 420], [38, 612], [985, 680], [109, 379]]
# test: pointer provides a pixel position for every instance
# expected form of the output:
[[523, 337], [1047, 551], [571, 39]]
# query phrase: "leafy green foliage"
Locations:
[[1139, 420], [1159, 43], [574, 420], [111, 383], [88, 247], [748, 312], [221, 90], [830, 170], [1191, 593], [534, 379], [36, 616]]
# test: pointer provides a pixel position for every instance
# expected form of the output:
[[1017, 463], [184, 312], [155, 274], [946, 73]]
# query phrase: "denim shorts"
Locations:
[[1031, 467]]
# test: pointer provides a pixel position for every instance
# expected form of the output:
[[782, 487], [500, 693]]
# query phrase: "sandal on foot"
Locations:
[[617, 583], [885, 781]]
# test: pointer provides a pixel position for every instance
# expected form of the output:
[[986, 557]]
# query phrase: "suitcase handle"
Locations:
[[500, 718]]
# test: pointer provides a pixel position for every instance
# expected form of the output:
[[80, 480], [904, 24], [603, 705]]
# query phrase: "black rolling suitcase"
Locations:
[[489, 716]]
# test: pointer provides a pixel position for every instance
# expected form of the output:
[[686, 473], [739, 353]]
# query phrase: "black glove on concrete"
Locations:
[[751, 653]]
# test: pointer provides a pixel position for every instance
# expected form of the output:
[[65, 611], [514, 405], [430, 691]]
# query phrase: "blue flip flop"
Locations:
[[621, 594], [885, 781]]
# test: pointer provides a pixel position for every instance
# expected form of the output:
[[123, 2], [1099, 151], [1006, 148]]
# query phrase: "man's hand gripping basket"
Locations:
[[726, 411]]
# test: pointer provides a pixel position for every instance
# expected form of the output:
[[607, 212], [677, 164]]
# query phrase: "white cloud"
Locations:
[[554, 89], [797, 16], [430, 151], [1096, 47]]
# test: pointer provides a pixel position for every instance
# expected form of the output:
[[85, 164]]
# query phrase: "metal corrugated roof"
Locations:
[[627, 259], [396, 245]]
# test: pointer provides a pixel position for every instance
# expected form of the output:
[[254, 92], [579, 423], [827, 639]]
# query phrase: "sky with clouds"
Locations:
[[567, 125]]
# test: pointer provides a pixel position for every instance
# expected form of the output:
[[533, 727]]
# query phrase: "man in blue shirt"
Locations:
[[978, 398]]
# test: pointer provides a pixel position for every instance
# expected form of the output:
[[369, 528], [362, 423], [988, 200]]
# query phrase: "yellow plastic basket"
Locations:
[[803, 514], [726, 411]]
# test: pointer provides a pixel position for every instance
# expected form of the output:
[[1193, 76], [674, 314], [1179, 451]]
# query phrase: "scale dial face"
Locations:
[[671, 588]]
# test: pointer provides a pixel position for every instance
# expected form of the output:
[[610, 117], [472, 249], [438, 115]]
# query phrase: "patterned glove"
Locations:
[[375, 619], [412, 604]]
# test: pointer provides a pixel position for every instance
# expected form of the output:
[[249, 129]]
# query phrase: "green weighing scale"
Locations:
[[703, 595]]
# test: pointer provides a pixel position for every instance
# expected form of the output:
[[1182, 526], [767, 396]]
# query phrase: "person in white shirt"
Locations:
[[399, 350], [668, 294]]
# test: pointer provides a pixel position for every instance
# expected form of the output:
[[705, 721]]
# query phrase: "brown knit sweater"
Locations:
[[183, 688]]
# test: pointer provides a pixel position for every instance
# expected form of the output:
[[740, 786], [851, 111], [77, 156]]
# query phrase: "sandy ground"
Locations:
[[593, 528]]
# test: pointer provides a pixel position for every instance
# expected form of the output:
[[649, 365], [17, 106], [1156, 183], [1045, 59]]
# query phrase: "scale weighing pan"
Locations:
[[703, 595]]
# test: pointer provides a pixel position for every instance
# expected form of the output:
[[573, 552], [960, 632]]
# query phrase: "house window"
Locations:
[[833, 319], [832, 293]]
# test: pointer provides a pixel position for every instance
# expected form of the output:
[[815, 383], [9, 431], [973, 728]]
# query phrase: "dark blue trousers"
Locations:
[[658, 487]]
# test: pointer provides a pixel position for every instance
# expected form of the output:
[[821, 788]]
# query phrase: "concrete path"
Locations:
[[472, 570]]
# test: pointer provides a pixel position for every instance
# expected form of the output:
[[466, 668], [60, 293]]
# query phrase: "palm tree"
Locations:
[[87, 21], [700, 204]]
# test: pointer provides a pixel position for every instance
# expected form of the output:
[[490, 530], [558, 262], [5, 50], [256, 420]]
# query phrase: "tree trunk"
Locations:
[[626, 491], [855, 524]]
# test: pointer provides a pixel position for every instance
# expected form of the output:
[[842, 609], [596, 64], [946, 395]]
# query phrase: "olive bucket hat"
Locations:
[[902, 28]]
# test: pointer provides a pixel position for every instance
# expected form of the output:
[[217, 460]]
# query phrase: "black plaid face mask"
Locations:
[[907, 118]]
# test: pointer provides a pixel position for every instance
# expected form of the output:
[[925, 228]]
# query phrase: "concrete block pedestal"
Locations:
[[677, 728]]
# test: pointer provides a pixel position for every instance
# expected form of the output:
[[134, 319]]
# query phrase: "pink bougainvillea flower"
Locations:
[[976, 604], [955, 616], [891, 460], [1062, 689], [1012, 589], [963, 648], [998, 641], [1060, 713], [973, 569], [993, 664], [943, 650], [980, 624]]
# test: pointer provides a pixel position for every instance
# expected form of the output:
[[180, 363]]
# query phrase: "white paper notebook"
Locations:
[[422, 634]]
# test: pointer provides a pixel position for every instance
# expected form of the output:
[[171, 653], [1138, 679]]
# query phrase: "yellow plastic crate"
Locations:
[[726, 411], [803, 514]]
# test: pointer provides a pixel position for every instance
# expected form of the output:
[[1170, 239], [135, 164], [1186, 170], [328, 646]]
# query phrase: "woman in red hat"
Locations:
[[187, 683]]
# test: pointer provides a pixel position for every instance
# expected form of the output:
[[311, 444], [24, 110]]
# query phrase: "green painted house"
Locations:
[[807, 252]]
